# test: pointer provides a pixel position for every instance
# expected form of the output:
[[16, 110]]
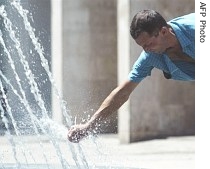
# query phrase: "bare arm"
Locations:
[[110, 105], [113, 102]]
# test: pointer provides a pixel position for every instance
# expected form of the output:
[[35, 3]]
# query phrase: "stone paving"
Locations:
[[103, 153]]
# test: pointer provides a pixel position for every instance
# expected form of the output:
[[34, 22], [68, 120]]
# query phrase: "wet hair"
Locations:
[[148, 21]]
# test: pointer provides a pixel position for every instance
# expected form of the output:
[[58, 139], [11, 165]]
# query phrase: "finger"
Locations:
[[73, 136], [73, 139]]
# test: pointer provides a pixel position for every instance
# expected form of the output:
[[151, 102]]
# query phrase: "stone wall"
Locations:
[[89, 55]]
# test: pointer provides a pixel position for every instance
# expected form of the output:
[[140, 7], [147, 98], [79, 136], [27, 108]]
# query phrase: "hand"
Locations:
[[78, 132]]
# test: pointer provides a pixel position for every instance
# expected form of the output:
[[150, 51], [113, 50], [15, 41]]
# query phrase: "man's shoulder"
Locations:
[[149, 57], [188, 16], [188, 19], [184, 25], [149, 54]]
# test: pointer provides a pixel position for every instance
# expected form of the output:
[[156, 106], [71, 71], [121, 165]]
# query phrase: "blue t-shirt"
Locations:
[[184, 28]]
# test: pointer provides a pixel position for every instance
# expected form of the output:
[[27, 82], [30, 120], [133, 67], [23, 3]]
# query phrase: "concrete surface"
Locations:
[[106, 152]]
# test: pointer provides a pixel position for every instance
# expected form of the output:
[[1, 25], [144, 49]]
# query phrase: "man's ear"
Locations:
[[164, 30]]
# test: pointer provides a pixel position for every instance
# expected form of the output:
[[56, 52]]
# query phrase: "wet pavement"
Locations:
[[104, 153]]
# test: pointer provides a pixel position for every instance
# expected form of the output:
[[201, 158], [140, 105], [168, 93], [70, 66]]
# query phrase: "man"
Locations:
[[169, 47]]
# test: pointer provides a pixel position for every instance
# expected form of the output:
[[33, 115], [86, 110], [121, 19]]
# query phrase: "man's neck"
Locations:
[[173, 43], [174, 50]]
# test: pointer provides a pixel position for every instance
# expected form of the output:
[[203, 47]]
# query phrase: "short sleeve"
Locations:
[[141, 68]]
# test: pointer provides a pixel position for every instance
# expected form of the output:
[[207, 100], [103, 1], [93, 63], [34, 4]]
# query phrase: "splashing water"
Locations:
[[34, 139], [20, 79]]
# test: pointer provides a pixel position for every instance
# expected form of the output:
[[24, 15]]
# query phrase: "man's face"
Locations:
[[155, 44]]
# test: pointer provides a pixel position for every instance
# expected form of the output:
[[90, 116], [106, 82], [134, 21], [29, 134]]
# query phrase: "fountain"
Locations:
[[32, 138]]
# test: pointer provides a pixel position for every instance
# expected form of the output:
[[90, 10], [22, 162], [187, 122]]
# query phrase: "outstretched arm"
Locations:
[[110, 105]]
